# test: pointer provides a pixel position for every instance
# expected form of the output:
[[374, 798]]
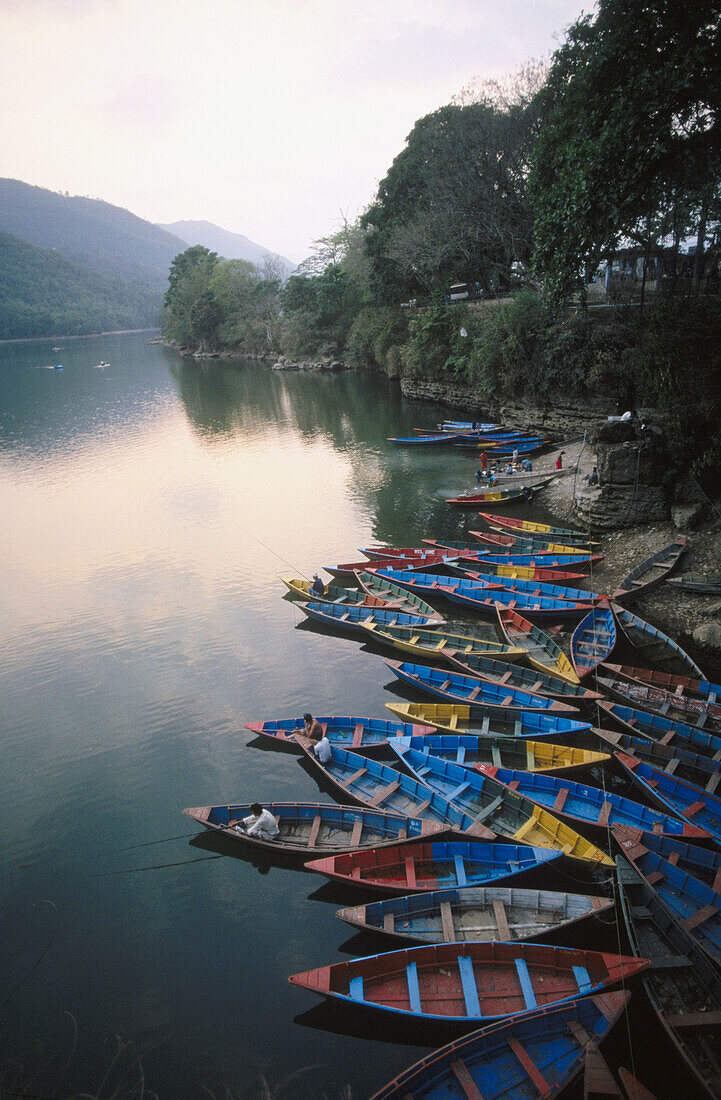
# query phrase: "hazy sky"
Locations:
[[267, 117]]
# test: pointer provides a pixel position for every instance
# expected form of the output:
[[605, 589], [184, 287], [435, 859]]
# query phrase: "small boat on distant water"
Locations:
[[496, 497], [314, 828], [683, 685], [654, 645], [692, 804], [471, 983], [682, 983], [594, 639], [541, 650], [534, 1056], [705, 584], [490, 914], [508, 752], [454, 718], [650, 572], [433, 865], [443, 439]]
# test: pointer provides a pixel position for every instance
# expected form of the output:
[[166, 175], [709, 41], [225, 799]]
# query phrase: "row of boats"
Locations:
[[463, 807]]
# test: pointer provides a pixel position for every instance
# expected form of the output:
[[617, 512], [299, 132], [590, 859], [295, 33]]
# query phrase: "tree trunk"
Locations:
[[699, 258]]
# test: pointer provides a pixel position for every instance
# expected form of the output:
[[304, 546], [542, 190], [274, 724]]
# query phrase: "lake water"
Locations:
[[148, 511]]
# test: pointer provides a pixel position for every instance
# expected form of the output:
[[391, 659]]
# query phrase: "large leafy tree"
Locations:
[[188, 299], [629, 144]]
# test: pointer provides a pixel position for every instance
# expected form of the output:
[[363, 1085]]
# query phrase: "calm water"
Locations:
[[148, 512]]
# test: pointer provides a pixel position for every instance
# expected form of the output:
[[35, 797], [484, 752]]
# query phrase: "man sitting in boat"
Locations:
[[322, 749], [260, 823], [317, 588], [313, 728]]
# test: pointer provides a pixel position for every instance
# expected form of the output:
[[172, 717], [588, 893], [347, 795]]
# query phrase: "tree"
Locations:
[[189, 281], [629, 144]]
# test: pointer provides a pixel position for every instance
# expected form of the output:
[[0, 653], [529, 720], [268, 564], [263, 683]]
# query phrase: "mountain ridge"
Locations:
[[229, 245]]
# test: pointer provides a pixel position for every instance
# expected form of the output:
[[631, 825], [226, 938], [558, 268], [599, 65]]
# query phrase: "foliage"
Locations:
[[319, 311], [43, 294], [629, 143], [375, 338]]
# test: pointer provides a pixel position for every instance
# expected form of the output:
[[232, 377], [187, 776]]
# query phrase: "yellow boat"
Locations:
[[338, 594], [540, 649], [438, 643], [543, 830], [555, 758]]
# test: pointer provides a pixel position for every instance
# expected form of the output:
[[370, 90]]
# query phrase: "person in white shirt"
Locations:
[[323, 750], [260, 824]]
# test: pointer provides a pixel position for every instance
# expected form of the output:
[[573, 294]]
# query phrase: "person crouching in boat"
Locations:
[[260, 823], [322, 750], [317, 588], [312, 727]]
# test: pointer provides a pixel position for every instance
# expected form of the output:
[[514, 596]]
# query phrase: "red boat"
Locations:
[[680, 685]]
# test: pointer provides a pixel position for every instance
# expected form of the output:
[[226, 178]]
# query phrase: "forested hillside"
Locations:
[[232, 246], [43, 294]]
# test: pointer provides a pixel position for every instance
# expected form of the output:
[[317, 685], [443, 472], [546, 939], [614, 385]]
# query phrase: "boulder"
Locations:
[[687, 516], [708, 636]]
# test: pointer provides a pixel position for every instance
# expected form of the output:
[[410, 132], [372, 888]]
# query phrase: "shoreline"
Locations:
[[83, 336]]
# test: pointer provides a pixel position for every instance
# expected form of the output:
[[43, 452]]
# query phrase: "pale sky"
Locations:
[[267, 117]]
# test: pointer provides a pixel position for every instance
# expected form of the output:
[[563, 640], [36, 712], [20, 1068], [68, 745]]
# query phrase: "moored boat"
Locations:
[[433, 866], [656, 727], [506, 752], [683, 685], [470, 984], [348, 618], [394, 595], [683, 985], [495, 497], [483, 913], [541, 650], [534, 1057], [667, 704], [529, 527], [315, 828], [434, 562], [509, 813], [591, 805], [651, 572], [517, 544], [343, 731], [704, 771], [533, 680], [437, 644], [334, 593], [702, 863], [705, 584], [458, 718], [654, 645], [594, 639], [692, 804], [442, 439]]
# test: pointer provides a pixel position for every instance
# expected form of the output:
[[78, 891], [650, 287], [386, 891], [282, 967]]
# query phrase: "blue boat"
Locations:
[[704, 771], [702, 863], [654, 645], [469, 426], [348, 619], [589, 804], [507, 752], [696, 906], [657, 728], [381, 787], [444, 438], [509, 813], [518, 676], [537, 560], [315, 828], [496, 700], [594, 639], [524, 447], [343, 732], [690, 803], [528, 1058]]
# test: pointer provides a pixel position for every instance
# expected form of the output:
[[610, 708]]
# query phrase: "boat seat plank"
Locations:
[[672, 765], [654, 877], [461, 755], [357, 831], [604, 814], [695, 1019], [499, 912], [585, 985], [468, 981], [460, 870], [526, 985], [496, 755], [355, 988], [358, 735], [490, 809], [314, 830], [466, 1082], [384, 793], [421, 808], [713, 783], [410, 867], [458, 790], [579, 1032], [389, 922], [352, 778], [694, 808], [414, 992], [530, 1067], [700, 917], [717, 882], [671, 962], [449, 931], [560, 800]]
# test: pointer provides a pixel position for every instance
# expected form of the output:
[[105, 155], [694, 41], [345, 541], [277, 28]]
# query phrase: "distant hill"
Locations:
[[106, 238], [232, 246], [44, 294]]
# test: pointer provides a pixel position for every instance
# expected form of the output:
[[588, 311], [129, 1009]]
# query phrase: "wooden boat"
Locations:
[[376, 785], [468, 426], [508, 813], [505, 450], [438, 644], [533, 560], [658, 728], [541, 608], [632, 1087], [553, 590], [496, 572], [654, 645], [315, 828], [420, 554], [477, 587], [682, 984], [706, 584], [334, 593], [496, 700], [702, 863], [590, 805], [690, 803], [517, 544], [434, 562], [650, 572], [539, 683], [600, 1084], [482, 913], [529, 527], [535, 1056], [393, 596], [347, 618], [443, 439], [594, 639], [696, 906], [704, 771], [455, 718], [541, 650], [427, 867], [509, 481], [343, 732], [495, 497], [667, 704], [508, 752], [471, 984], [682, 685]]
